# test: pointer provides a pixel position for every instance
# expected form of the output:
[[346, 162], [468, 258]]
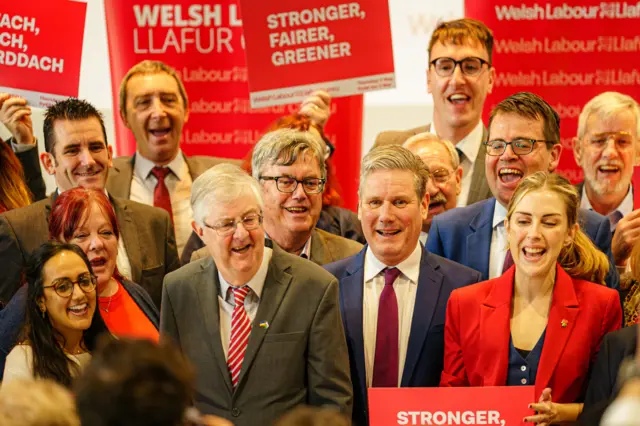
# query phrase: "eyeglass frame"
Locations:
[[459, 64], [607, 136], [234, 225], [59, 281], [532, 141], [445, 180], [298, 181]]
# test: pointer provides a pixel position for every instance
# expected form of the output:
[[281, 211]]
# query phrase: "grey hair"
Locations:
[[416, 141], [606, 105], [222, 183], [283, 147], [395, 157]]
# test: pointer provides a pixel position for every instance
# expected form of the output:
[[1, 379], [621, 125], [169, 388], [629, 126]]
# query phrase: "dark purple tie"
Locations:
[[385, 364], [508, 262]]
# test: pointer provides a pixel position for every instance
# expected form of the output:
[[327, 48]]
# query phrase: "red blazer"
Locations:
[[477, 332]]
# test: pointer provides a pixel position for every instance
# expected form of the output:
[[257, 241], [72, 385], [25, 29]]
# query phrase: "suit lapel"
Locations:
[[129, 235], [495, 331], [562, 319], [119, 179], [318, 250], [207, 287], [275, 286], [479, 241], [195, 167], [351, 295], [479, 189], [427, 295]]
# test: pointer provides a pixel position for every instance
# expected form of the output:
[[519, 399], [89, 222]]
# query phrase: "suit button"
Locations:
[[523, 368], [235, 412], [523, 381]]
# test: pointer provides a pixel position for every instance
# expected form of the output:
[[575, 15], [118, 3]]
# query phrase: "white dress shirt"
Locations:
[[226, 300], [424, 236], [499, 243], [625, 207], [405, 288], [178, 182], [470, 146]]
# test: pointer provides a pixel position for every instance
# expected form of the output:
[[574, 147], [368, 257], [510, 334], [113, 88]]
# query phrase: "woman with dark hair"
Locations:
[[63, 324], [13, 190]]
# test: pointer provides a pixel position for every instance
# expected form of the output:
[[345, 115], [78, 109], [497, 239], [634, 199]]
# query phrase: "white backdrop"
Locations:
[[409, 105]]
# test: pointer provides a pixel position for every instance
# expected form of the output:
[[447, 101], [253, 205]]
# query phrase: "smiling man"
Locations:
[[524, 138], [393, 294], [459, 77], [607, 148], [445, 171], [261, 326]]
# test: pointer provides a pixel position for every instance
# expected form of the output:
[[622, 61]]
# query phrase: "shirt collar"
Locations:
[[410, 267], [256, 283], [625, 207], [470, 144], [499, 215], [178, 166]]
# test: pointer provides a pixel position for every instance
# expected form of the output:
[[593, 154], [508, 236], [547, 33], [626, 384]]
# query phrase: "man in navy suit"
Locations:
[[393, 294], [524, 138]]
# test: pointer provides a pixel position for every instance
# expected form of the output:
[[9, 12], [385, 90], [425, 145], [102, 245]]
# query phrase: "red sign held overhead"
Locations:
[[501, 406], [41, 49], [340, 46]]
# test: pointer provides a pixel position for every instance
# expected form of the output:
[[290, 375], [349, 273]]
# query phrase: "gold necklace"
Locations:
[[108, 305]]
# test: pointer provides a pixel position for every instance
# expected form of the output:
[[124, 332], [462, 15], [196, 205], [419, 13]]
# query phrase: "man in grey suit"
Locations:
[[459, 77], [290, 167], [77, 154], [261, 326]]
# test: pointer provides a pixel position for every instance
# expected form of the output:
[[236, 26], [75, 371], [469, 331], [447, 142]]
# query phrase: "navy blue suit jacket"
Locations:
[[425, 353], [464, 236]]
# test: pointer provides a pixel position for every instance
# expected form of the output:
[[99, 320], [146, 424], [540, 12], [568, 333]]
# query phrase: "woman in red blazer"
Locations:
[[542, 321]]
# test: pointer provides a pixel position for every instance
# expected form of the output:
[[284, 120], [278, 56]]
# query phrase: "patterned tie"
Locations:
[[385, 365], [240, 330], [161, 192], [508, 262]]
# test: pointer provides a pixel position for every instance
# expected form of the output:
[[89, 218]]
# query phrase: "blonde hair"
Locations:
[[416, 141], [581, 259], [36, 403], [149, 67], [605, 105]]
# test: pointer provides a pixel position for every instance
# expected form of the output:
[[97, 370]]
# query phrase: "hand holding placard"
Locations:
[[15, 114]]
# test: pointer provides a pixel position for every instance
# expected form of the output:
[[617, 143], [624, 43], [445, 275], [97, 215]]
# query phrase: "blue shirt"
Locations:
[[522, 371]]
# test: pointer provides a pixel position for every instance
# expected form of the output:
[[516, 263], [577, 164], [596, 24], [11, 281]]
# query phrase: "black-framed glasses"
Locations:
[[288, 184], [470, 66], [519, 146], [64, 286], [228, 227], [441, 176]]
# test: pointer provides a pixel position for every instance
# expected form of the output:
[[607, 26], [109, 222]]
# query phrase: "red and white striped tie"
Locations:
[[240, 329]]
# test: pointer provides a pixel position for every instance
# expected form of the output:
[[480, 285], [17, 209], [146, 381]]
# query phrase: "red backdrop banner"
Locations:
[[204, 43], [501, 406], [296, 47], [41, 49], [567, 52]]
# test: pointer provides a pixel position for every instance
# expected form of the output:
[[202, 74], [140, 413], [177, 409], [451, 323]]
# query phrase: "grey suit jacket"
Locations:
[[479, 187], [300, 357], [146, 231], [120, 175], [325, 248]]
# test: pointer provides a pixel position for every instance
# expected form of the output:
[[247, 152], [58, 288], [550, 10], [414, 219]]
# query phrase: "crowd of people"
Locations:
[[166, 289]]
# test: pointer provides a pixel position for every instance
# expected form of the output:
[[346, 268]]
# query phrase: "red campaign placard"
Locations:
[[503, 406], [565, 51], [41, 49], [204, 43], [293, 48]]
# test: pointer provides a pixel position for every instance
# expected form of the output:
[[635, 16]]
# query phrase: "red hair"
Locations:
[[331, 194], [13, 190]]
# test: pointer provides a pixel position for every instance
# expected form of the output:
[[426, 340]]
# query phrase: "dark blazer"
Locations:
[[479, 189], [147, 233], [423, 364], [464, 236], [299, 358], [32, 172], [616, 347], [13, 316], [120, 175], [477, 334]]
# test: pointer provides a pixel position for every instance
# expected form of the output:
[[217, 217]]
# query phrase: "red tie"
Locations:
[[385, 364], [508, 262], [161, 192], [240, 329]]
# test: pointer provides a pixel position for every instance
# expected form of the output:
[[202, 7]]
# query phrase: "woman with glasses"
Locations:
[[86, 218], [62, 320], [540, 323]]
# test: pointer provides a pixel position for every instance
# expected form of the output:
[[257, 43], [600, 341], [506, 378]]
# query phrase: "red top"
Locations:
[[124, 318]]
